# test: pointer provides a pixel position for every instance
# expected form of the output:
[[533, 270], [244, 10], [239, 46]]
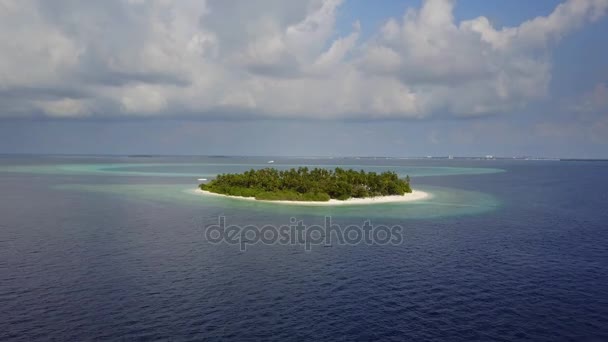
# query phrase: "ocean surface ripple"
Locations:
[[78, 265]]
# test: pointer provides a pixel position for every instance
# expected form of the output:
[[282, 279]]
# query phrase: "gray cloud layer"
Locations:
[[269, 58]]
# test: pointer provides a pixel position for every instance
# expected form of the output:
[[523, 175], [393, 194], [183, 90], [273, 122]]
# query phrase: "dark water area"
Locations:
[[94, 265]]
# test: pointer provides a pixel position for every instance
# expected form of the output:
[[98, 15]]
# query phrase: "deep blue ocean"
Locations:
[[113, 248]]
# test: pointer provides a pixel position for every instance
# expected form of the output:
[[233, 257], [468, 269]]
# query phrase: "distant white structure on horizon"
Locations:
[[270, 161]]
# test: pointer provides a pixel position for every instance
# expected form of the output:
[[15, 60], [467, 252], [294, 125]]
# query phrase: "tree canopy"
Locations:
[[303, 184]]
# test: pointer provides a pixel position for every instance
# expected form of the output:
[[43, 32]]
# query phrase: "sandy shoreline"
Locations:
[[414, 196]]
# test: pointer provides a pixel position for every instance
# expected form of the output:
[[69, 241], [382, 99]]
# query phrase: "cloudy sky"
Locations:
[[318, 77]]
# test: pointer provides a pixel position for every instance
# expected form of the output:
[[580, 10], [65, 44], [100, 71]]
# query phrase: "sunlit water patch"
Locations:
[[443, 202], [196, 170]]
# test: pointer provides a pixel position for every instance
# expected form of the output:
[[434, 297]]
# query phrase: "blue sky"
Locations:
[[501, 12], [323, 77]]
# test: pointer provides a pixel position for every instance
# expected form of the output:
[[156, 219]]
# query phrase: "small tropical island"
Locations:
[[318, 185]]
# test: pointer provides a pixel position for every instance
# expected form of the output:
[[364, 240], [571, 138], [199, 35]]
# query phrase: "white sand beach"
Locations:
[[414, 196]]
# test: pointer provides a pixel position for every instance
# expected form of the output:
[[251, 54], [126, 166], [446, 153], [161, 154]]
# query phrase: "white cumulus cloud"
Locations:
[[269, 58]]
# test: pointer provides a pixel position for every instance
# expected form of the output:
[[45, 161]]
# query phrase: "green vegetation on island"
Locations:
[[302, 184]]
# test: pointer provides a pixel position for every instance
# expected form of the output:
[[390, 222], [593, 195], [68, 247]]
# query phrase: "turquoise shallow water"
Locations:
[[444, 201], [212, 169]]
